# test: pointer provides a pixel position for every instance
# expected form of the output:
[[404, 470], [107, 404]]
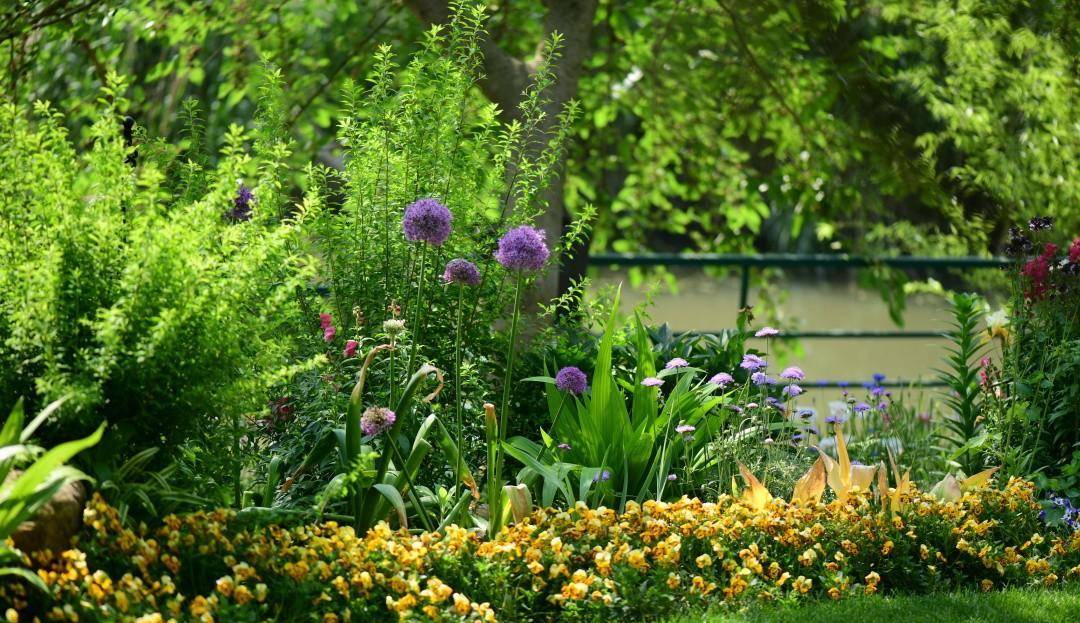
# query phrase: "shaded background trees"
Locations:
[[707, 125]]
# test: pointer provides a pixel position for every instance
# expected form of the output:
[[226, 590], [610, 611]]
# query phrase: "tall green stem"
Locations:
[[418, 314], [495, 470], [457, 386], [236, 460]]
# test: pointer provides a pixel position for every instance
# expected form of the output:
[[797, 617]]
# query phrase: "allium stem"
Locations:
[[457, 386], [418, 315], [496, 469]]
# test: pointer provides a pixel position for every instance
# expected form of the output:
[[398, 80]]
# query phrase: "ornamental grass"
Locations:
[[577, 564]]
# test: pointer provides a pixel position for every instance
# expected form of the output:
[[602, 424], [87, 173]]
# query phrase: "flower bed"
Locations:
[[569, 565]]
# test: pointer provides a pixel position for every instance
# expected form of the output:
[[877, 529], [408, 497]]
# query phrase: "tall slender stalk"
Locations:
[[418, 314], [495, 470], [457, 386]]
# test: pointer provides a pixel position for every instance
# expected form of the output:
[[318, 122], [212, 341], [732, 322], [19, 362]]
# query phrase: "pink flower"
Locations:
[[326, 321], [652, 381], [350, 348], [766, 332]]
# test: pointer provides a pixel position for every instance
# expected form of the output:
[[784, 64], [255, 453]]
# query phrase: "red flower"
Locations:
[[1074, 252]]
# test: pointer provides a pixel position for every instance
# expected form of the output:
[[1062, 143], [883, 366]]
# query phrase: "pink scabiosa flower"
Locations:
[[652, 381], [722, 379], [427, 220], [793, 373], [760, 378], [792, 390], [677, 362], [766, 332], [523, 248], [326, 321], [376, 420], [462, 272], [571, 380], [350, 348]]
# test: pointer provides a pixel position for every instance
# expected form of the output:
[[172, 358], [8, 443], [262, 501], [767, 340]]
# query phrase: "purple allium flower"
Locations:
[[835, 419], [376, 420], [752, 362], [862, 407], [523, 248], [563, 446], [793, 390], [461, 271], [878, 377], [672, 477], [604, 475], [427, 220], [572, 380], [722, 379], [350, 348], [793, 373], [677, 362], [760, 378], [241, 210], [766, 332], [652, 381]]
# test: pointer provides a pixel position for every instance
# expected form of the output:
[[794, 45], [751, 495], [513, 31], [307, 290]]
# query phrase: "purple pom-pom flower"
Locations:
[[652, 381], [677, 362], [427, 220], [572, 380], [376, 420], [461, 271], [766, 332], [752, 362], [760, 378], [722, 379], [793, 373], [793, 390], [523, 248]]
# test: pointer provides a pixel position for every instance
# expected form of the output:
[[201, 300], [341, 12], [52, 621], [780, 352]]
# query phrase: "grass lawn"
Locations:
[[1011, 606]]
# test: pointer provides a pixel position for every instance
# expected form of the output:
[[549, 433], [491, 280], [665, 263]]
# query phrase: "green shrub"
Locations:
[[132, 283]]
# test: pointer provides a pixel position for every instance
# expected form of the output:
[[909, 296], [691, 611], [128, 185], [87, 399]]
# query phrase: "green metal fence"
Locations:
[[746, 263]]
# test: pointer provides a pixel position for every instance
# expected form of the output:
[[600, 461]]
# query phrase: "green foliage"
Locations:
[[963, 426], [623, 442], [21, 495], [133, 293]]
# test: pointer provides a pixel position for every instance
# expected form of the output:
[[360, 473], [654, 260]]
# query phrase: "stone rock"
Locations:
[[54, 524]]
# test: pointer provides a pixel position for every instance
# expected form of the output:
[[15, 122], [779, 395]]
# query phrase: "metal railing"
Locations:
[[748, 262]]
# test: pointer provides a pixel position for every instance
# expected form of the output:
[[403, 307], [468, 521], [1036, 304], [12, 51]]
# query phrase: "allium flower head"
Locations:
[[677, 362], [461, 271], [722, 379], [752, 362], [376, 420], [793, 373], [652, 381], [393, 326], [427, 220], [766, 332], [350, 348], [523, 248], [572, 380]]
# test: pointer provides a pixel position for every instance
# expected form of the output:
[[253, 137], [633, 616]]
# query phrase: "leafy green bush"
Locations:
[[155, 294]]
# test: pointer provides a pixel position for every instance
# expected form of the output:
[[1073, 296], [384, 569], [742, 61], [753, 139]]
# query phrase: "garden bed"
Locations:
[[652, 560]]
